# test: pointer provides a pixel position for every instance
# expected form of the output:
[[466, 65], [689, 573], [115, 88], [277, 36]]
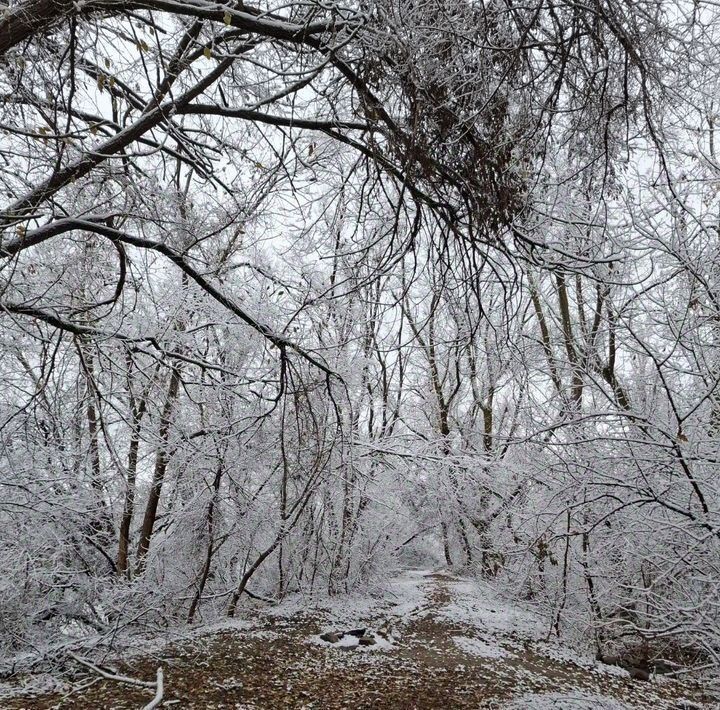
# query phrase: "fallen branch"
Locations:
[[155, 702], [112, 676], [259, 598], [412, 537], [157, 685]]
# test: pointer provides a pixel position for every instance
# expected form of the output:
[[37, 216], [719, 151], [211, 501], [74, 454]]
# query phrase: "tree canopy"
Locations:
[[293, 292]]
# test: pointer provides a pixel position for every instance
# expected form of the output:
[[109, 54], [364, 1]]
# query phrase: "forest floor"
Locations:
[[441, 642]]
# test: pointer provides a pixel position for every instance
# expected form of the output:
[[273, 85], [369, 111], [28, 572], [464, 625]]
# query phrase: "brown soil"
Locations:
[[425, 670]]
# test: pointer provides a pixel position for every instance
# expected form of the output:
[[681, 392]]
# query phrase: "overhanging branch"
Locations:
[[99, 226]]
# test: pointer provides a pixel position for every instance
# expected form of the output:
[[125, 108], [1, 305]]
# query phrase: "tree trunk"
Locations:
[[161, 463], [211, 542], [138, 412]]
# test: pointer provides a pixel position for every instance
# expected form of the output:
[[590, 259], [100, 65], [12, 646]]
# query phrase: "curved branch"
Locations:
[[25, 205], [53, 319], [100, 226], [34, 17]]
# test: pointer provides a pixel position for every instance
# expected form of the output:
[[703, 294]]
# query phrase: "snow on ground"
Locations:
[[134, 645], [556, 652], [566, 701], [403, 596], [38, 684], [479, 605], [444, 641], [409, 592], [505, 624], [477, 647]]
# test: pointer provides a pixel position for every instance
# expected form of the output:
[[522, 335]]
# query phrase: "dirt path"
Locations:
[[447, 647]]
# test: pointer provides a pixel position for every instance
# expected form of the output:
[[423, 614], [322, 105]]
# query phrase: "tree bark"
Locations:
[[123, 567], [161, 463]]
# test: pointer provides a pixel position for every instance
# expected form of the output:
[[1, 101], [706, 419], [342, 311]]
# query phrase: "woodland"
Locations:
[[294, 294]]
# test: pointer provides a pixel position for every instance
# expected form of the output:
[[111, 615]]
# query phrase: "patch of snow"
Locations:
[[565, 654], [685, 704], [137, 645], [347, 609], [480, 606], [402, 596], [381, 644], [606, 669], [478, 647], [231, 683], [566, 701], [345, 642], [216, 627], [38, 684], [265, 635], [408, 592]]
